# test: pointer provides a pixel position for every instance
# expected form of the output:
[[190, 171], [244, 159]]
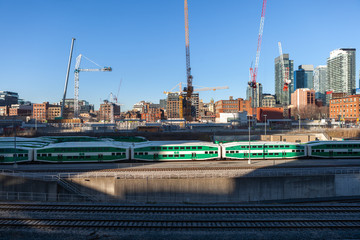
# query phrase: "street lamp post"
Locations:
[[15, 163], [265, 123], [299, 121], [249, 161]]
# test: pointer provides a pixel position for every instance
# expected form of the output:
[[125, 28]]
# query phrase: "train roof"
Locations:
[[336, 142], [87, 144], [259, 143], [172, 143]]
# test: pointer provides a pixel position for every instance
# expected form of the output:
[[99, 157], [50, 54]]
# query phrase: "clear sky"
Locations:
[[143, 41]]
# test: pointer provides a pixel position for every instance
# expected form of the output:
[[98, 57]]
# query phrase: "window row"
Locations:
[[175, 148], [266, 146]]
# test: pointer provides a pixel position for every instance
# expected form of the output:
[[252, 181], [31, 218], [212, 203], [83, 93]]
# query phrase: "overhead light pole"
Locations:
[[299, 121], [249, 161]]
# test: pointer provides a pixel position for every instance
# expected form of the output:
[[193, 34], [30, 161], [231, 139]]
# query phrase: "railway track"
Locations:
[[279, 209], [174, 224]]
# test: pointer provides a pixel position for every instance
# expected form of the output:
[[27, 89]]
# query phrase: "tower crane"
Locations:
[[285, 71], [189, 89], [254, 71], [76, 85]]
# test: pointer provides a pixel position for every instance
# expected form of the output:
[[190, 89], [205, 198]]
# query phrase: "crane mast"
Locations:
[[189, 89], [67, 78], [253, 72]]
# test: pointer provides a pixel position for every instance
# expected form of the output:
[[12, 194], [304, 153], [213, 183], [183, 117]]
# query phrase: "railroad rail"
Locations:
[[182, 209], [174, 224]]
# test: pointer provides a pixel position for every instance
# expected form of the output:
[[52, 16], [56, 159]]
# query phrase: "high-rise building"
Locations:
[[321, 83], [303, 77], [341, 70], [255, 94], [7, 98], [283, 97]]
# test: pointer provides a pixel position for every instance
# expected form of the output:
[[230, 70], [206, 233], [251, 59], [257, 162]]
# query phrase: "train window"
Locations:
[[26, 155], [292, 150], [87, 157], [271, 146], [113, 154], [76, 157], [206, 152], [49, 155], [230, 152], [170, 155], [146, 153], [271, 154], [69, 157], [20, 155], [322, 150], [254, 154], [164, 155], [176, 155], [163, 148], [100, 155], [211, 152], [176, 147], [242, 146], [170, 147], [182, 147], [193, 147], [135, 153], [182, 155], [312, 150], [227, 151], [199, 147], [152, 148], [217, 152], [187, 147], [287, 146], [141, 153], [276, 153], [254, 146], [265, 154], [43, 155], [38, 155], [2, 157], [276, 146], [118, 154]]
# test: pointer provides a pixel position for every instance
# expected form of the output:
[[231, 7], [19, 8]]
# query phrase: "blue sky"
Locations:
[[143, 41]]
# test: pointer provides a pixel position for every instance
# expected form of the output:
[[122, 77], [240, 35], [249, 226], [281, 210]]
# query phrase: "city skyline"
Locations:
[[144, 43]]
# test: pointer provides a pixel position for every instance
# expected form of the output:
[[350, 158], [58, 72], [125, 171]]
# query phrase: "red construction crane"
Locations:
[[189, 89], [253, 72]]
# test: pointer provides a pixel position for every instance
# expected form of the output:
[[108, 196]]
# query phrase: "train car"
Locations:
[[105, 151], [263, 150], [9, 153], [175, 151], [334, 149]]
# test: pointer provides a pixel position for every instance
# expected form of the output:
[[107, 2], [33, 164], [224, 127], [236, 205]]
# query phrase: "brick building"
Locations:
[[345, 109], [109, 111], [302, 97], [268, 113], [40, 111], [233, 106], [151, 112], [21, 110]]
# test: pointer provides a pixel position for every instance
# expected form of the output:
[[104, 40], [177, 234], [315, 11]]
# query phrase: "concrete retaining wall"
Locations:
[[222, 189]]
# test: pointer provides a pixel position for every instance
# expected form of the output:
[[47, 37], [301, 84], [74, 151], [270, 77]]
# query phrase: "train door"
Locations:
[[263, 151], [156, 156], [193, 156], [331, 153]]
